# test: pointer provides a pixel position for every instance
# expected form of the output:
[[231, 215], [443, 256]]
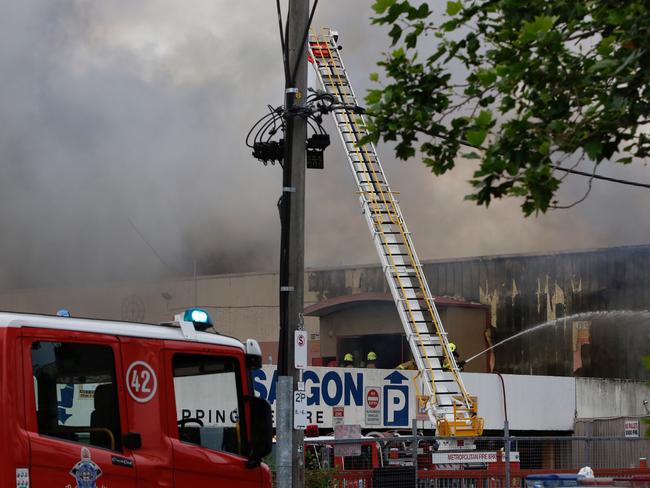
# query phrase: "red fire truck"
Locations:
[[97, 404]]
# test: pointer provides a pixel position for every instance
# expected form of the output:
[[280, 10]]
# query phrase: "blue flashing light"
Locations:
[[197, 316], [63, 312]]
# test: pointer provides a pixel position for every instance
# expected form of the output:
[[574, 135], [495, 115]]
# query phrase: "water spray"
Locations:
[[577, 316]]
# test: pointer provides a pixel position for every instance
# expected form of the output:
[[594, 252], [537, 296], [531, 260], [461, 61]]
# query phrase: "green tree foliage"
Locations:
[[516, 86]]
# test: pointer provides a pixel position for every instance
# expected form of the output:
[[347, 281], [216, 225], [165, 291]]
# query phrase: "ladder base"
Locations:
[[469, 427]]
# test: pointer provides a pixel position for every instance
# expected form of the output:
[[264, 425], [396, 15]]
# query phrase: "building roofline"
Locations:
[[336, 304], [489, 257]]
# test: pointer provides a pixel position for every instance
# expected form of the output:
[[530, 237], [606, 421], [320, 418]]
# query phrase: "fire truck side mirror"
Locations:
[[253, 354], [132, 440], [261, 430]]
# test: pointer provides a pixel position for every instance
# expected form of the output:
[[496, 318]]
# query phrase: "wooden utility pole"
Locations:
[[290, 462]]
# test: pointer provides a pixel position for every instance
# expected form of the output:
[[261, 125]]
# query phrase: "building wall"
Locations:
[[240, 305], [623, 398], [466, 328], [543, 403], [552, 403]]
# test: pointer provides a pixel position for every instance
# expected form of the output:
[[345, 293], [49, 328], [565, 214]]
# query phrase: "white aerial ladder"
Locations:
[[450, 408]]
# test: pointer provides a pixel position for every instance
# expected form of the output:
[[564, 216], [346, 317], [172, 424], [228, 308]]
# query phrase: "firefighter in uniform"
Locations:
[[460, 364], [408, 365], [371, 360], [348, 360]]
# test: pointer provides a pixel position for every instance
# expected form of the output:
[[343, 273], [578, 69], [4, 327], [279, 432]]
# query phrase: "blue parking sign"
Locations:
[[396, 401]]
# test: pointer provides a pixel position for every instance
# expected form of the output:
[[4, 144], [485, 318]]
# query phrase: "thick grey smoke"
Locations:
[[124, 122]]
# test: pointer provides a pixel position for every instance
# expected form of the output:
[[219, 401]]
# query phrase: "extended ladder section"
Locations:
[[448, 404]]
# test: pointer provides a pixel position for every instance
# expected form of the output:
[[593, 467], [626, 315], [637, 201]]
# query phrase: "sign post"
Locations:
[[300, 415]]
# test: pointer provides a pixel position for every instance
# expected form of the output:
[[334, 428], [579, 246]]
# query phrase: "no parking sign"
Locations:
[[373, 406], [300, 349]]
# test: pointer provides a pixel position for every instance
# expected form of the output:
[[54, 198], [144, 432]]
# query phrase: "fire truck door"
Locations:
[[75, 415], [146, 408], [208, 433]]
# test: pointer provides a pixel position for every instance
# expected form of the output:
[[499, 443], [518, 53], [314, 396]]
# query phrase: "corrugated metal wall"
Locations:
[[622, 453]]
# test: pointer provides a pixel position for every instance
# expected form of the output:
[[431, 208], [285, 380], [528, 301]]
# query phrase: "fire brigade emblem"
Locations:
[[86, 471]]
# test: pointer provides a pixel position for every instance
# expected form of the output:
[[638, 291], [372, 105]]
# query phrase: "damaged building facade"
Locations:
[[588, 309]]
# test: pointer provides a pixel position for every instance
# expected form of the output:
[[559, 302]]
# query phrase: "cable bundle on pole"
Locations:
[[266, 137]]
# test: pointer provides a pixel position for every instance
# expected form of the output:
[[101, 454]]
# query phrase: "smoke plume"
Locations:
[[121, 138]]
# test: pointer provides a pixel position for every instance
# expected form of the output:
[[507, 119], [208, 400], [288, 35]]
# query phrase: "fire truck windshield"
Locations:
[[211, 421]]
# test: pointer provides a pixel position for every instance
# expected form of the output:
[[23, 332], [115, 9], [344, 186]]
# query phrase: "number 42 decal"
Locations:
[[141, 381]]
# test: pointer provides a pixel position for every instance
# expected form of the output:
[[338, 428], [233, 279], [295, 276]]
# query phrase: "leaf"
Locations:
[[616, 16], [450, 25], [395, 10], [374, 77], [380, 6], [395, 33], [540, 25], [398, 54], [602, 65], [454, 7], [476, 137], [404, 151], [507, 103], [411, 39], [424, 11], [605, 47], [373, 97], [486, 77], [594, 150], [484, 118], [418, 13], [373, 137]]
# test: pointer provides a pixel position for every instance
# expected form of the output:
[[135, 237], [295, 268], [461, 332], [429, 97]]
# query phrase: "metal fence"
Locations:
[[431, 462]]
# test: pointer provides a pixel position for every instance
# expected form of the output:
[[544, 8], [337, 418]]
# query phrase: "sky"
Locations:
[[122, 152]]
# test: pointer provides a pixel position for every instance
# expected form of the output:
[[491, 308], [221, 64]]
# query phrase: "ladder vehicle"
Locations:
[[449, 405], [100, 404]]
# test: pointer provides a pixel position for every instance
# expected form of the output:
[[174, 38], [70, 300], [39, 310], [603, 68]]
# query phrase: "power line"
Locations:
[[289, 74], [283, 43], [304, 39], [593, 175], [153, 249], [601, 177]]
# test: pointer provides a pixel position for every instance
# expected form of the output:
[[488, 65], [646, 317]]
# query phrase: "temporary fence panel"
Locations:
[[399, 462]]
